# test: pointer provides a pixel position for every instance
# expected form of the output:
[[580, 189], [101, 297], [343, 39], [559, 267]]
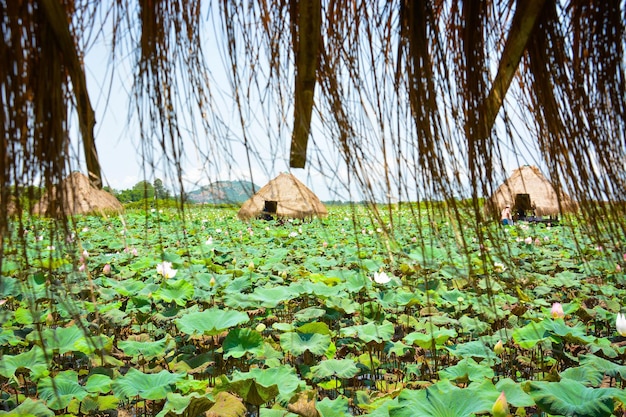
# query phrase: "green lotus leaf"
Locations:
[[607, 367], [314, 327], [339, 407], [342, 303], [29, 407], [98, 384], [240, 342], [370, 332], [425, 340], [297, 343], [272, 296], [604, 346], [338, 368], [571, 398], [146, 386], [466, 370], [283, 376], [531, 334], [587, 375], [310, 313], [210, 322], [249, 389], [179, 292], [190, 405], [576, 334], [146, 348], [59, 393], [61, 339], [515, 394], [441, 400], [28, 316], [94, 343], [33, 361], [474, 349]]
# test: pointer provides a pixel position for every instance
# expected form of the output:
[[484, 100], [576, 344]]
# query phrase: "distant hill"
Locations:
[[223, 192]]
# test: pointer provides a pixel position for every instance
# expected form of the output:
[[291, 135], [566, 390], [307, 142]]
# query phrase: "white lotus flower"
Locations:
[[381, 278], [620, 324], [165, 269]]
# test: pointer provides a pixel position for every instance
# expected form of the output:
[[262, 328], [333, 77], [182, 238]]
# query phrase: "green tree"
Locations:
[[159, 189]]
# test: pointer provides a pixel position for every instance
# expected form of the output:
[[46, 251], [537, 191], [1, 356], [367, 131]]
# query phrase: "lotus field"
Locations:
[[167, 314]]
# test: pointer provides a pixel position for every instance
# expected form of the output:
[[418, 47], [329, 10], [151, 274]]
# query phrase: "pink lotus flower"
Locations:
[[528, 240], [618, 268], [557, 311]]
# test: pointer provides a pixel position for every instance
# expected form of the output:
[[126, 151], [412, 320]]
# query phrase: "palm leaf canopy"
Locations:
[[398, 90]]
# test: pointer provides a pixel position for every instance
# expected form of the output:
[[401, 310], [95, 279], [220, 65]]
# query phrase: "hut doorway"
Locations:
[[523, 207], [269, 209]]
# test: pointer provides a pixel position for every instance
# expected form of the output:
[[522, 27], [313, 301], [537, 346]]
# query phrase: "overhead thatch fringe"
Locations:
[[293, 198], [76, 195], [548, 201]]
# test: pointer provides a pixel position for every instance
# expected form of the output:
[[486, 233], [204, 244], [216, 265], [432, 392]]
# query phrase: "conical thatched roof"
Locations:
[[529, 180], [79, 197], [293, 200]]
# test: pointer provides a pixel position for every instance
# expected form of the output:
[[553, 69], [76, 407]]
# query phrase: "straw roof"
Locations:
[[529, 180], [293, 199], [79, 197]]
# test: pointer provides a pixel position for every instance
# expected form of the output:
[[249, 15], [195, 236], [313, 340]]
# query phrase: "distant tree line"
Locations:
[[141, 191]]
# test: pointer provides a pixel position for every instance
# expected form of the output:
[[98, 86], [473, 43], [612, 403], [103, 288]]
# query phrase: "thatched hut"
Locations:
[[284, 196], [79, 197], [528, 190]]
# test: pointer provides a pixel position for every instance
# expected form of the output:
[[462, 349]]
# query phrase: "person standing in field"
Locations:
[[506, 217]]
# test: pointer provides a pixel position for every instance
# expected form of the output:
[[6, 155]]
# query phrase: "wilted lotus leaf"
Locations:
[[226, 405]]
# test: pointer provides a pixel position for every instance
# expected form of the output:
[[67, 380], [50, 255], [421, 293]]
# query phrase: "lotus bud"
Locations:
[[618, 268], [283, 274], [528, 240], [85, 254], [106, 269], [212, 282], [620, 324], [260, 327], [498, 349], [251, 266], [500, 407], [557, 311]]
